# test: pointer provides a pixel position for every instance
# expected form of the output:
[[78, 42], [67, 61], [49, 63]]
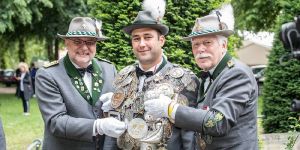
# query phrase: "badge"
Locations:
[[138, 106], [125, 141], [126, 81], [182, 100], [151, 94], [186, 79], [200, 142], [137, 128], [165, 89], [192, 86], [176, 72], [117, 99]]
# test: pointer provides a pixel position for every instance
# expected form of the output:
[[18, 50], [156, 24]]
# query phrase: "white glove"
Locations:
[[158, 108], [110, 127], [106, 100]]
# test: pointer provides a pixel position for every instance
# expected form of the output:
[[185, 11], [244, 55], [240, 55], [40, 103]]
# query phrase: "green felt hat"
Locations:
[[84, 27], [144, 19], [209, 25]]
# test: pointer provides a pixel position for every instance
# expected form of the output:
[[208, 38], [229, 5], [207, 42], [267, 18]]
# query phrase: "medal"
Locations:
[[137, 128], [125, 142], [176, 72], [200, 141], [117, 99], [186, 79], [126, 81], [165, 89], [138, 106], [182, 100]]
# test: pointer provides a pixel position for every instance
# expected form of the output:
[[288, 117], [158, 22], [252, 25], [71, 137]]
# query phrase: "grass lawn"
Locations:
[[20, 130]]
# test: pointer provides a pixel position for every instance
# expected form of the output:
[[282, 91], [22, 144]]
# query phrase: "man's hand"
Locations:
[[158, 108], [106, 100], [110, 127]]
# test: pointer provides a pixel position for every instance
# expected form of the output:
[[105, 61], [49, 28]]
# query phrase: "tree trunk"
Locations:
[[2, 61], [49, 46], [22, 54], [56, 49]]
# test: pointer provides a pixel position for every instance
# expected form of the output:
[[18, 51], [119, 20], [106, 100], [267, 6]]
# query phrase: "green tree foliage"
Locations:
[[15, 23], [25, 20], [180, 16], [282, 83], [257, 15]]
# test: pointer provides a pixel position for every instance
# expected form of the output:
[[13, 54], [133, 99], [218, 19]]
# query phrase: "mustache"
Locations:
[[203, 55]]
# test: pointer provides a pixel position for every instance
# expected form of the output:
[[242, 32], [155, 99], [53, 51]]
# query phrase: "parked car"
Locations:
[[8, 77], [258, 72]]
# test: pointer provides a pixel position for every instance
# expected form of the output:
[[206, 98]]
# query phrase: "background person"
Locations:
[[25, 87], [33, 70], [2, 137], [68, 91], [227, 104]]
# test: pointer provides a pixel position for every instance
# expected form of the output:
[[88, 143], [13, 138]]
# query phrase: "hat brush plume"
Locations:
[[156, 7], [98, 24], [226, 15]]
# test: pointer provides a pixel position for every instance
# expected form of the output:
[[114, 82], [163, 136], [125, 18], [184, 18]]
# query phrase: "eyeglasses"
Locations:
[[197, 44], [81, 42]]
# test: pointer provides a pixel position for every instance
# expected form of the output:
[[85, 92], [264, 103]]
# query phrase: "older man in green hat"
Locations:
[[227, 102], [68, 92], [150, 77]]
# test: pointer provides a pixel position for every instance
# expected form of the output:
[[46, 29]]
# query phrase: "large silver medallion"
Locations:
[[137, 128]]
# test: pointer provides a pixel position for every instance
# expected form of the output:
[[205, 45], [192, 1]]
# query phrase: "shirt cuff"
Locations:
[[94, 128]]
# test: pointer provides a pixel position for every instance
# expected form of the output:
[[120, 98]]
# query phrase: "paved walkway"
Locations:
[[7, 90], [277, 141]]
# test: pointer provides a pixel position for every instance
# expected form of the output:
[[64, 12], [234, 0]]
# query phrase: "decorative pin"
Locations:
[[83, 26]]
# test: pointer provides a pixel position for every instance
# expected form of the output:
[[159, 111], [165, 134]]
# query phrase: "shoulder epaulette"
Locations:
[[105, 60], [50, 64], [127, 69], [230, 63]]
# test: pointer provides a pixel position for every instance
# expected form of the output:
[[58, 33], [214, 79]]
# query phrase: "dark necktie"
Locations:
[[87, 69], [204, 75], [140, 72]]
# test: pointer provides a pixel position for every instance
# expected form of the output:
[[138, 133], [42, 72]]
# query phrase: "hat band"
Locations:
[[81, 33], [204, 32], [145, 22]]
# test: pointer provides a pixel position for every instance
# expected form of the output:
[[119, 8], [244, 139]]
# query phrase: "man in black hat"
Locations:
[[150, 77], [227, 102], [68, 92]]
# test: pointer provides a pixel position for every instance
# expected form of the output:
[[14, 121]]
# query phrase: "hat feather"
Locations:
[[226, 15], [98, 24], [156, 7]]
